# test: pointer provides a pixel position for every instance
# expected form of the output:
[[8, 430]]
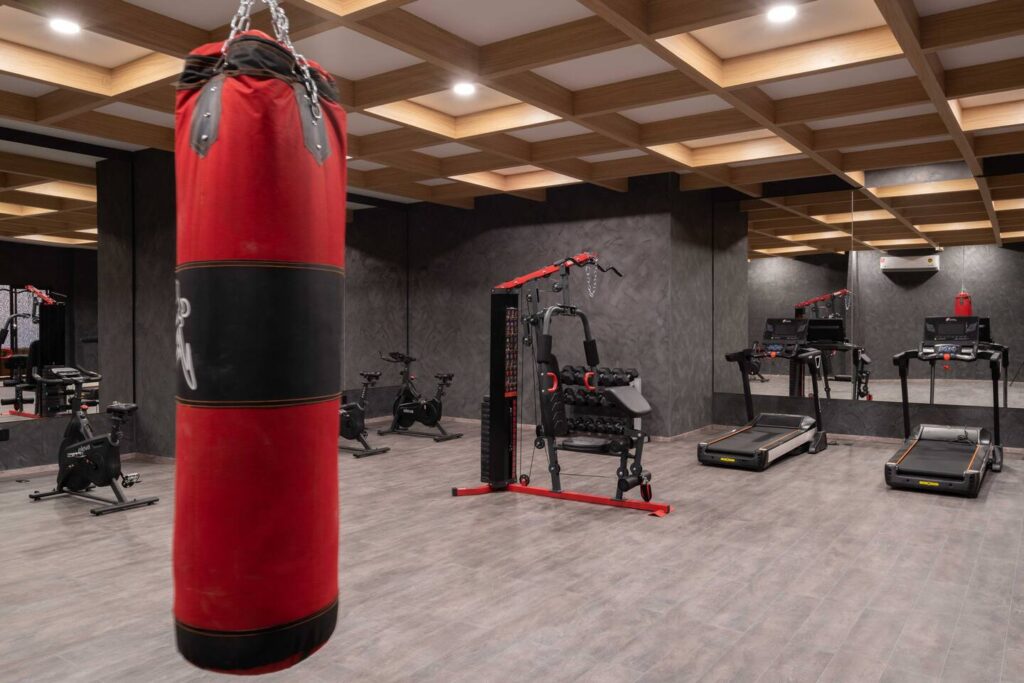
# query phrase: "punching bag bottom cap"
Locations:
[[259, 651]]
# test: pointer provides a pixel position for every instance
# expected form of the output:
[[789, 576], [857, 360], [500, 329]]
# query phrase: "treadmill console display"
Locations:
[[950, 338], [784, 336], [826, 330]]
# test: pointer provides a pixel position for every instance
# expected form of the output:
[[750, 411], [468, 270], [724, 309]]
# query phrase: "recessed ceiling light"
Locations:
[[780, 14], [464, 89], [65, 26]]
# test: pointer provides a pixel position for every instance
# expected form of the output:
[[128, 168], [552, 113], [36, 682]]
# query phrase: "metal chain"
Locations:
[[242, 21], [592, 276]]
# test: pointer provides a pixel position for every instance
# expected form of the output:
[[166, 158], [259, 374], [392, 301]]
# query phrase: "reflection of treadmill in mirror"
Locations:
[[944, 458], [984, 342], [829, 335], [770, 436]]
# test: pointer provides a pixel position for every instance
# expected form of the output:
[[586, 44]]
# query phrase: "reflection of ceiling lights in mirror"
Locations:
[[774, 251], [90, 231], [947, 227], [60, 188], [879, 215], [21, 210], [804, 237], [909, 242], [909, 189], [53, 239], [65, 26]]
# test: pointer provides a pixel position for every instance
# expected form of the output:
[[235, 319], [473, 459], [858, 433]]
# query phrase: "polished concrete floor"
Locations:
[[953, 392], [811, 571]]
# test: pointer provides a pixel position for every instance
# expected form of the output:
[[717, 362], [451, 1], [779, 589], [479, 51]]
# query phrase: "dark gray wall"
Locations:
[[776, 284], [691, 312], [658, 318], [893, 306], [457, 256], [730, 292]]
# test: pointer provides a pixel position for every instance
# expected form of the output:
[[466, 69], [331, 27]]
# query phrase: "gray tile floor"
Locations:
[[811, 571]]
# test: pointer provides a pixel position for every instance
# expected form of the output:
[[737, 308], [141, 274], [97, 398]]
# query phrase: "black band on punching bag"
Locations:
[[242, 313], [222, 651]]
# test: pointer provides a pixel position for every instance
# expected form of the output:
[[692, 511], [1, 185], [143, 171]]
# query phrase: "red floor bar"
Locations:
[[655, 509]]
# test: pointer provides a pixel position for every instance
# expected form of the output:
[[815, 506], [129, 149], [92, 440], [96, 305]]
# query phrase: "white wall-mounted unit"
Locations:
[[909, 264]]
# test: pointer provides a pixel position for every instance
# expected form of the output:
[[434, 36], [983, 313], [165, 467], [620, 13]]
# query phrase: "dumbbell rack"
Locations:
[[572, 383]]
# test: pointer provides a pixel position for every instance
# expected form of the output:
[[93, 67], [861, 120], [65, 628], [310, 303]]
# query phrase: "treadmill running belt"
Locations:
[[750, 440], [939, 458]]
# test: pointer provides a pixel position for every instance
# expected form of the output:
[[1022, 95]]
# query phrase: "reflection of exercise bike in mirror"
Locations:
[[411, 407], [353, 420], [86, 461]]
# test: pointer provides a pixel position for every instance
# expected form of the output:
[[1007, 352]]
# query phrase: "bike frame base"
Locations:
[[652, 508], [364, 452], [109, 505], [22, 413], [443, 436]]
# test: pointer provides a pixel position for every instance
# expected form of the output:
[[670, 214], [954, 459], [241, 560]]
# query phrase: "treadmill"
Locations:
[[770, 436], [946, 458]]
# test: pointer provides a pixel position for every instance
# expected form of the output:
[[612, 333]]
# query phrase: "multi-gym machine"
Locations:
[[48, 311], [517, 303]]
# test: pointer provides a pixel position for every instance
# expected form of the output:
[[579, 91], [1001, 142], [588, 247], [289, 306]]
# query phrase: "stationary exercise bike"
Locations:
[[86, 461], [411, 407], [353, 420]]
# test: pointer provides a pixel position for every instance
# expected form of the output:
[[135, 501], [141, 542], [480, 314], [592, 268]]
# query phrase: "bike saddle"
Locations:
[[445, 376], [398, 357], [122, 409], [370, 376]]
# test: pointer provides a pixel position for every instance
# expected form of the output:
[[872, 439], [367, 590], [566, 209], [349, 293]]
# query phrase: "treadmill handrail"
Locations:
[[808, 356], [994, 356]]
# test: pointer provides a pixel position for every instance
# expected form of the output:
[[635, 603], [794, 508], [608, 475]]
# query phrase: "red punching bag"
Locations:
[[260, 159], [962, 305]]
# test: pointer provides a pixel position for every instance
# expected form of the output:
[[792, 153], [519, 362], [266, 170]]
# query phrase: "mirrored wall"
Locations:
[[866, 303]]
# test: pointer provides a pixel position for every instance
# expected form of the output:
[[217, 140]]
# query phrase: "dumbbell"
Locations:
[[577, 374], [604, 377], [571, 424], [631, 374], [569, 396], [586, 424], [566, 376], [619, 427]]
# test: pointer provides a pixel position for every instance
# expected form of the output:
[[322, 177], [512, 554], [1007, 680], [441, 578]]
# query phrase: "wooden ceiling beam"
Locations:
[[861, 99], [122, 21], [635, 92], [44, 168], [879, 132], [572, 40], [910, 30], [983, 79], [696, 127], [661, 18], [971, 25]]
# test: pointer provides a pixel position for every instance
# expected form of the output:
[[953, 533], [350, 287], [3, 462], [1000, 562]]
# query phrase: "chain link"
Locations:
[[242, 21]]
